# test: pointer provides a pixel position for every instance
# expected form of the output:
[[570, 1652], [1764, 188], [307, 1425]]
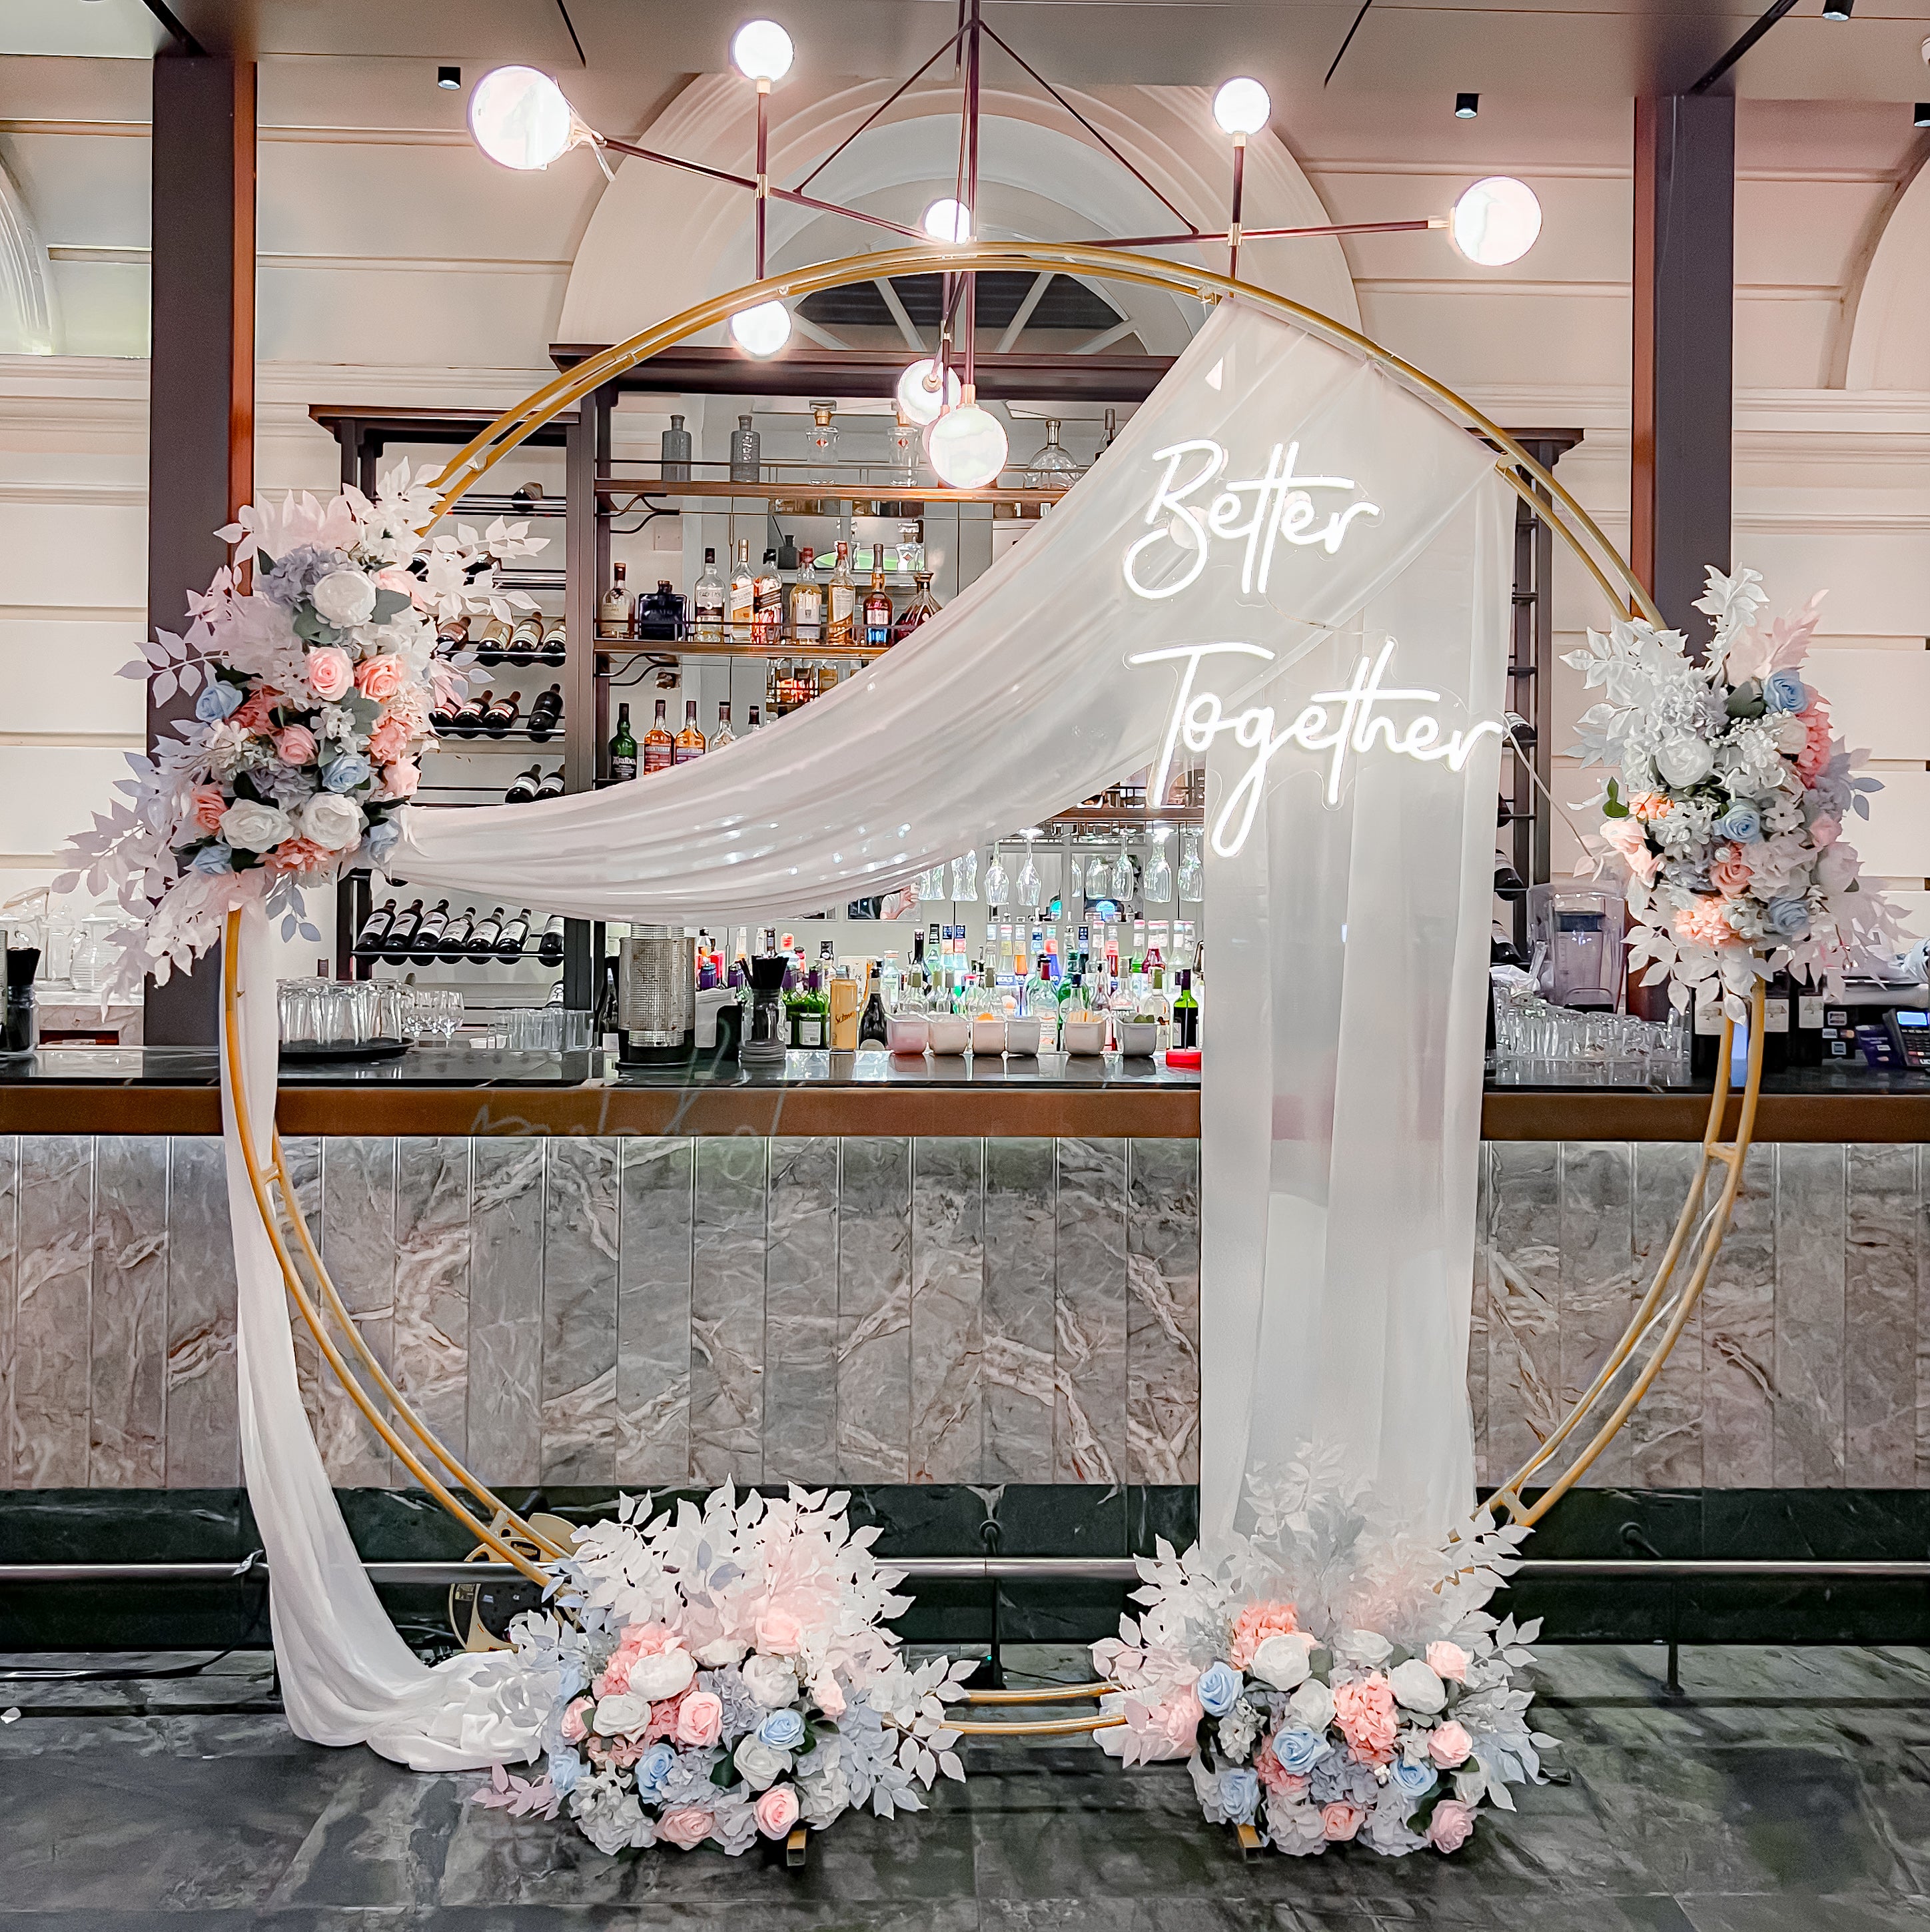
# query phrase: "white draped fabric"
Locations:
[[1339, 1120]]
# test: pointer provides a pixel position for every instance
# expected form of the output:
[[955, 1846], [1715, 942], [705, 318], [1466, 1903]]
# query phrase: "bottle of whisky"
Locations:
[[723, 735], [690, 744], [706, 599], [841, 598], [741, 598], [878, 610], [767, 606], [807, 601], [623, 746], [612, 614], [659, 747]]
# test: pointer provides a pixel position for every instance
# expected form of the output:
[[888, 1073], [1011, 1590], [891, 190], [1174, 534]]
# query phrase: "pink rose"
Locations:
[[1448, 1660], [1731, 877], [1254, 1625], [575, 1722], [1825, 832], [401, 779], [389, 740], [380, 678], [1273, 1774], [1364, 1712], [296, 745], [777, 1811], [1449, 1744], [830, 1694], [1179, 1718], [700, 1718], [779, 1634], [206, 805], [1451, 1826], [330, 673], [687, 1826], [1339, 1822], [252, 713]]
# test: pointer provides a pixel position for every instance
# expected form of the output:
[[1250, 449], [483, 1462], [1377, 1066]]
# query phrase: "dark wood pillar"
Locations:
[[201, 388], [1684, 349]]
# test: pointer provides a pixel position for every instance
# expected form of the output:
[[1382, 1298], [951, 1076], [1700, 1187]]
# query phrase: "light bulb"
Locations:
[[762, 330], [1497, 221], [948, 220], [520, 117], [1242, 107], [761, 50], [918, 394], [967, 447]]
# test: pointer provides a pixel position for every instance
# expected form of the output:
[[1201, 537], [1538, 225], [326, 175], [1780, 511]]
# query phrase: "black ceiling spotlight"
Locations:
[[1922, 119], [449, 76], [1837, 10], [1466, 106]]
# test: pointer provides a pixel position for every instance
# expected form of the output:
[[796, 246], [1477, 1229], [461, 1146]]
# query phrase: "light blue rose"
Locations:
[[345, 772], [565, 1768], [382, 838], [1218, 1689], [1299, 1750], [783, 1730], [1788, 918], [1783, 690], [218, 700], [212, 859], [1240, 1793], [1416, 1779], [1740, 824], [652, 1767]]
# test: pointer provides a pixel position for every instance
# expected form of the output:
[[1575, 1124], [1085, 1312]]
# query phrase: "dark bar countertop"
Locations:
[[461, 1090]]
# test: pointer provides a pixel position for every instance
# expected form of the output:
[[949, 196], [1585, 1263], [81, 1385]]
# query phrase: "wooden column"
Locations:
[[201, 389], [1684, 349]]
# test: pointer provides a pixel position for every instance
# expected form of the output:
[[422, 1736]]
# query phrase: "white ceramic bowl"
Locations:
[[1085, 1037], [988, 1033], [908, 1033], [948, 1033], [1138, 1039], [1021, 1036]]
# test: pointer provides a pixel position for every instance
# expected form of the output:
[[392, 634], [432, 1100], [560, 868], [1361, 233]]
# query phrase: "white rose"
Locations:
[[1835, 868], [1313, 1705], [621, 1712], [1366, 1646], [762, 1764], [333, 822], [1281, 1659], [1417, 1687], [250, 827], [1684, 760], [1791, 735], [663, 1675], [724, 1651], [344, 597], [770, 1681]]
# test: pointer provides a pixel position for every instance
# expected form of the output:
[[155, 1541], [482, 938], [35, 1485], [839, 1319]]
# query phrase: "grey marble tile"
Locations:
[[1163, 1312], [203, 1440], [653, 1312], [358, 1238], [1089, 1307], [874, 1309], [1596, 1278], [1478, 1319], [127, 1374], [727, 1289], [1809, 1313], [948, 1389], [1523, 1243], [1021, 1191], [53, 1290], [1922, 1330], [432, 1258], [1665, 1432], [579, 1311], [800, 1314], [1739, 1339], [1880, 1318], [9, 1220], [505, 1288]]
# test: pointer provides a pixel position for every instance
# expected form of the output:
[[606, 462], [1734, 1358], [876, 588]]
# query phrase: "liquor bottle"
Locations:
[[484, 934], [546, 713], [706, 600], [841, 599], [1186, 1013], [659, 747], [767, 602], [401, 936], [428, 936], [872, 1031], [690, 744], [923, 607], [552, 787], [878, 610], [623, 747], [523, 788], [612, 614], [555, 641], [500, 713], [676, 452], [746, 465], [525, 641], [807, 601], [455, 936], [821, 443], [741, 598], [510, 945], [659, 616], [752, 721], [375, 928], [549, 948], [723, 735], [468, 719]]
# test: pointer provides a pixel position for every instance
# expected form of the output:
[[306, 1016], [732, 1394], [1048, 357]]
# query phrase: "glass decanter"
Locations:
[[905, 444], [1159, 873], [1054, 466], [1192, 873]]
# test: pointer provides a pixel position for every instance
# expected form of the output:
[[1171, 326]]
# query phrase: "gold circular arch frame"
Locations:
[[1659, 1318]]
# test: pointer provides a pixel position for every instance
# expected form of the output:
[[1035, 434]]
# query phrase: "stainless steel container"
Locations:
[[656, 994]]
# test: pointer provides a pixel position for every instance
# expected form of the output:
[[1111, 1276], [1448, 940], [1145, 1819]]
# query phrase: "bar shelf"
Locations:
[[802, 490]]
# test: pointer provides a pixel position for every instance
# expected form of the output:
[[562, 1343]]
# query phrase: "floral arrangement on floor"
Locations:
[[314, 663], [1732, 797], [725, 1675], [1329, 1678]]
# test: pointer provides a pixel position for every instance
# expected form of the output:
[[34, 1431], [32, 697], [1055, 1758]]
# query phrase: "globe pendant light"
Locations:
[[761, 50], [762, 330], [966, 445], [948, 220], [1242, 107], [520, 120], [919, 397], [1496, 221]]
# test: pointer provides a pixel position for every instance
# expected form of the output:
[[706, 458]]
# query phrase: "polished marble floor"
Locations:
[[1784, 1791]]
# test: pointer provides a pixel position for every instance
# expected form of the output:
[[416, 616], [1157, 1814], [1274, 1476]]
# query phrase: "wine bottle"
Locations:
[[1185, 1012], [375, 928], [401, 936], [546, 713], [484, 934], [623, 746], [872, 1031], [428, 938], [522, 786], [525, 641], [443, 716], [549, 948], [554, 641], [510, 946], [500, 713], [454, 947], [552, 786], [468, 719]]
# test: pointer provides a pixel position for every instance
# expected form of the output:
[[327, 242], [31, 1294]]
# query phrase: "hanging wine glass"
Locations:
[[1192, 874], [1073, 892], [965, 878], [1159, 874], [998, 886], [931, 886], [1122, 876], [1031, 887]]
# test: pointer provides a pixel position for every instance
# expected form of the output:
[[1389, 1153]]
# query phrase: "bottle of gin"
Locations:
[[612, 614], [741, 598], [707, 602], [877, 611], [659, 747], [841, 597], [623, 746], [807, 601]]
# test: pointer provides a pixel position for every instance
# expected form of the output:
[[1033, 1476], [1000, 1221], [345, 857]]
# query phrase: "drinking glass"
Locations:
[[1074, 892], [998, 886], [1121, 880], [300, 1013], [1192, 873], [965, 879], [1159, 874], [1031, 888]]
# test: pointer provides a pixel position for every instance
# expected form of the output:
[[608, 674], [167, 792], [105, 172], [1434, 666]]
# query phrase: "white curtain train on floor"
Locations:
[[1273, 493]]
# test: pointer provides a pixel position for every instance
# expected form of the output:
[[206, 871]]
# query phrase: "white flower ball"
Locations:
[[343, 598], [771, 1680], [621, 1712], [723, 1651], [662, 1676], [333, 822], [1281, 1659], [250, 827], [1417, 1687], [1684, 760], [1313, 1705], [1366, 1647]]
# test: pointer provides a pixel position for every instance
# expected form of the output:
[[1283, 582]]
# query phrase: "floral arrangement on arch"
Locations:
[[725, 1675], [314, 663], [1330, 1678], [1736, 791]]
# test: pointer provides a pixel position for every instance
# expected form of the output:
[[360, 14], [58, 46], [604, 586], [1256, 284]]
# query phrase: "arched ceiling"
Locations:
[[1890, 336]]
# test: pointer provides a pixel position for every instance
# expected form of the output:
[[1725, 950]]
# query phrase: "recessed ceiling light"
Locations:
[[1466, 106], [1922, 119], [449, 76], [1837, 10]]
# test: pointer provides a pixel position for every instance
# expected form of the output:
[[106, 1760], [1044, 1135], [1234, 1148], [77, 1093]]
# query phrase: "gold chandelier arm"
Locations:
[[1046, 1727], [345, 1321], [238, 1098], [1060, 1693]]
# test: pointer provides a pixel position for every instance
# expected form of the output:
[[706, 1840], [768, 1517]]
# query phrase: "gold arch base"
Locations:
[[1632, 1365]]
